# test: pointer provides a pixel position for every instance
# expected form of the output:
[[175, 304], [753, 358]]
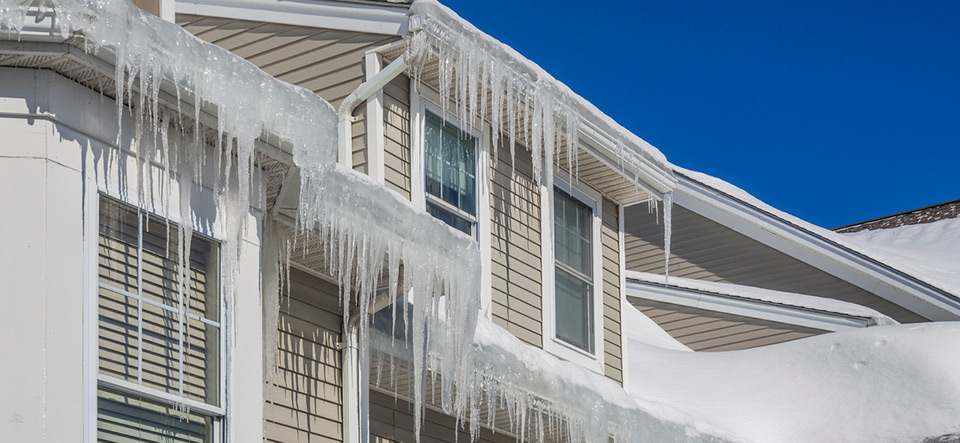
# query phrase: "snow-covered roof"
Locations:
[[936, 277], [926, 214], [472, 64], [783, 299], [930, 251]]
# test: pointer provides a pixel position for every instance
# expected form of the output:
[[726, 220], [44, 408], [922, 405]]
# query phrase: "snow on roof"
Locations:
[[534, 86], [926, 214], [890, 383], [765, 295], [930, 251], [939, 269]]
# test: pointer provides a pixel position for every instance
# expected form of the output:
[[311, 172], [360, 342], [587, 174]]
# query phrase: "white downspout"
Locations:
[[355, 408], [350, 356], [363, 92]]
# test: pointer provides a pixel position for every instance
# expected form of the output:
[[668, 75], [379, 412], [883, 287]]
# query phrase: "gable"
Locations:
[[706, 250]]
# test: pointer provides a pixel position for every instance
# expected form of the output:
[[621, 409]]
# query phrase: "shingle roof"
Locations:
[[927, 214]]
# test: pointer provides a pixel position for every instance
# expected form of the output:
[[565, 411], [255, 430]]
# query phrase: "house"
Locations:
[[207, 253]]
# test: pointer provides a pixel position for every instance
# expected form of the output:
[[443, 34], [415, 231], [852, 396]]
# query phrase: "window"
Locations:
[[450, 182], [573, 222], [159, 342]]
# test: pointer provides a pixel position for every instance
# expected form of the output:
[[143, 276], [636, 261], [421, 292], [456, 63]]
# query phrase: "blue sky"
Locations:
[[836, 112]]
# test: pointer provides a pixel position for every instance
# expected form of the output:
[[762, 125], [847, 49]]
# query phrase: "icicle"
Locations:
[[667, 233]]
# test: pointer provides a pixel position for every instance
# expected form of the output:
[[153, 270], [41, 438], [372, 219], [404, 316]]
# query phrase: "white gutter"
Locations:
[[656, 180], [810, 318], [363, 92]]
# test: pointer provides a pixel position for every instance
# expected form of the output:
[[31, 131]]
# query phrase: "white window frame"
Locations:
[[592, 199], [93, 380], [423, 100]]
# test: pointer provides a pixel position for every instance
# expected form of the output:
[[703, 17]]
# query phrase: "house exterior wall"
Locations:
[[305, 401], [515, 219], [703, 249], [328, 62], [391, 421], [396, 135], [59, 155], [610, 239], [703, 330]]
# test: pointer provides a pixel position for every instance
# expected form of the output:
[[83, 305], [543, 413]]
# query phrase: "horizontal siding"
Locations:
[[396, 128], [610, 245], [328, 62], [515, 247], [703, 330], [703, 249], [304, 402], [391, 420]]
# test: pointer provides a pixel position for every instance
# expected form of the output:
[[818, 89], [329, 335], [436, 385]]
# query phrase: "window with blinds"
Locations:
[[158, 340], [450, 164], [574, 270]]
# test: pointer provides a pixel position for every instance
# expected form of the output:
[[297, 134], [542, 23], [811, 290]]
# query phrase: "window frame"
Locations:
[[94, 380], [429, 199], [592, 199], [423, 99]]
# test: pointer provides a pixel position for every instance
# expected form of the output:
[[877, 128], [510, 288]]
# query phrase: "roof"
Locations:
[[935, 295], [784, 307], [926, 214]]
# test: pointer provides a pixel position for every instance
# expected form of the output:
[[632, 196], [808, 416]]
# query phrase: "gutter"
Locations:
[[747, 307]]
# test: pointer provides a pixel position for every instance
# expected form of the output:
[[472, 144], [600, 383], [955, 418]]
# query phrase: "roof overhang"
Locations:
[[371, 17], [816, 250], [742, 306]]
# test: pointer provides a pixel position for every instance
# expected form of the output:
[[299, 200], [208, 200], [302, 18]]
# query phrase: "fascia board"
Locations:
[[745, 307], [653, 178], [376, 19], [817, 251]]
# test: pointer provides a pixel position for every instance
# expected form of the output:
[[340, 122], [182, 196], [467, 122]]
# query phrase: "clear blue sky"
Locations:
[[836, 112]]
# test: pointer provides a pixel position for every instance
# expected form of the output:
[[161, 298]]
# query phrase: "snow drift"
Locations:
[[896, 383]]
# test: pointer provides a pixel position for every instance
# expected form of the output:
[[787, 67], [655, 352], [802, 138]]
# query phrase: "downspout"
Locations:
[[363, 92], [355, 429]]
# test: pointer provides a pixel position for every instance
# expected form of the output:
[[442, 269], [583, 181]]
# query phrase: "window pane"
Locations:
[[146, 335], [573, 239], [450, 164], [574, 309], [122, 418], [450, 219]]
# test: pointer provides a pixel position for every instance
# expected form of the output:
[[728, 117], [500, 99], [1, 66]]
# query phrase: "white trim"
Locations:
[[126, 387], [816, 251], [377, 19], [91, 236], [621, 251], [483, 221], [593, 199], [168, 10], [821, 320], [417, 192], [374, 122]]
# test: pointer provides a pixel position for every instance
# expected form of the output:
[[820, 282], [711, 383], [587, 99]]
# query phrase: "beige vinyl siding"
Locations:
[[515, 247], [304, 405], [610, 247], [703, 249], [703, 330], [396, 128], [391, 420], [328, 62]]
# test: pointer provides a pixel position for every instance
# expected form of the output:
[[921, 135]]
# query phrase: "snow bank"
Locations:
[[644, 330], [766, 295], [886, 384], [942, 274], [930, 251]]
